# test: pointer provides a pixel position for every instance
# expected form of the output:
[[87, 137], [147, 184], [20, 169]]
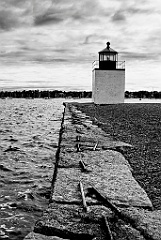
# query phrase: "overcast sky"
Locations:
[[52, 43]]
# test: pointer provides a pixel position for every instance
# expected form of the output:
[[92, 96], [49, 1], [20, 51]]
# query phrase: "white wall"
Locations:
[[108, 86]]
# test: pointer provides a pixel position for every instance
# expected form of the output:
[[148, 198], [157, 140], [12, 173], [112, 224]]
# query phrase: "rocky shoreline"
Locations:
[[94, 194]]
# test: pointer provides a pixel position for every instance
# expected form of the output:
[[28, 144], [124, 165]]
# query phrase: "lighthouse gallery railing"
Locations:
[[119, 64]]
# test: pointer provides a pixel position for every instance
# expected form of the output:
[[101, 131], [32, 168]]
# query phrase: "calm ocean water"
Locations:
[[28, 141]]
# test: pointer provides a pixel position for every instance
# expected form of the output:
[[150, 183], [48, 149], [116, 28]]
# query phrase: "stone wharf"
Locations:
[[108, 78], [94, 195]]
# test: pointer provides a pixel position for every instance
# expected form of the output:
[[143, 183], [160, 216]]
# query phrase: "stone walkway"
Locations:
[[87, 157]]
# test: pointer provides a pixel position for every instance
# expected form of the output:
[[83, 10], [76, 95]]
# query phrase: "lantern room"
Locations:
[[108, 58]]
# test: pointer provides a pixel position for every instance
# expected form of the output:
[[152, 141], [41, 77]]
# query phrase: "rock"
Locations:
[[71, 221], [110, 174], [147, 222], [36, 236]]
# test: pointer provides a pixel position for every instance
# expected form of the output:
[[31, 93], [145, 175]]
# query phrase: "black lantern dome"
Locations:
[[108, 58]]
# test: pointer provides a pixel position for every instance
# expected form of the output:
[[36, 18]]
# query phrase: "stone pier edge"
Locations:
[[57, 155], [146, 222]]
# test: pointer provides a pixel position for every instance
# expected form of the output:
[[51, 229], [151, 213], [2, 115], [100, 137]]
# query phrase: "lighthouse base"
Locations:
[[108, 86]]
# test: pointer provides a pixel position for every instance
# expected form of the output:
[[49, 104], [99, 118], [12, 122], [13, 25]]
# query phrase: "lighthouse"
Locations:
[[108, 78]]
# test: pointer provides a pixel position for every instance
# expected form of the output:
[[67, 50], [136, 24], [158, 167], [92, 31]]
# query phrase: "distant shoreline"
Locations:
[[73, 94]]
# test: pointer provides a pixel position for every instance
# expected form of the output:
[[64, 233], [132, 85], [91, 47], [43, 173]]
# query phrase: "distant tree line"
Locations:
[[71, 94], [143, 94], [45, 94]]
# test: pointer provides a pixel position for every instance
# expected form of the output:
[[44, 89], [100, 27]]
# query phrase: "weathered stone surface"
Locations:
[[110, 174], [70, 159], [88, 133], [69, 136], [104, 142], [147, 222], [66, 186], [127, 232], [90, 139], [70, 221], [36, 236]]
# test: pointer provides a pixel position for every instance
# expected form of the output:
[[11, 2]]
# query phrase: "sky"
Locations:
[[51, 44]]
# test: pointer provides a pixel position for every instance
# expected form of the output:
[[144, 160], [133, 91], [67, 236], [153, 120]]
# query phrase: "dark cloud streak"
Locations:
[[118, 17], [139, 56], [47, 19], [74, 11], [123, 13]]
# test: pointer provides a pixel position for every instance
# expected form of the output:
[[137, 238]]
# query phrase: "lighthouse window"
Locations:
[[107, 57], [101, 57], [104, 57], [111, 57]]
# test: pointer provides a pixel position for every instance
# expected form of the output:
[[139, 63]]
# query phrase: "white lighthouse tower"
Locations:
[[108, 78]]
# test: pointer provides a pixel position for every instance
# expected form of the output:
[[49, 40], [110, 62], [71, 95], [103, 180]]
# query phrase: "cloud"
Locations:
[[14, 14], [47, 19], [7, 19], [5, 80], [47, 60], [135, 10], [92, 38], [46, 12], [18, 13], [118, 17], [129, 9], [141, 56], [66, 31], [61, 11]]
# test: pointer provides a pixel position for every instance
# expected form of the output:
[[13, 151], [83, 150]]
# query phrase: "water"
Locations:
[[143, 100], [28, 141], [127, 100]]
